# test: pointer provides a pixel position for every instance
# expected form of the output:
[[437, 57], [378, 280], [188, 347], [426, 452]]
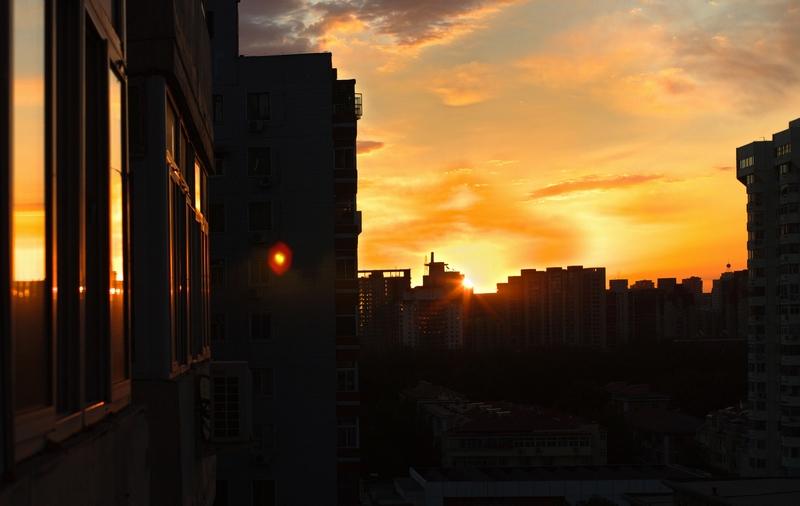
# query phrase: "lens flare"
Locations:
[[279, 258], [468, 284]]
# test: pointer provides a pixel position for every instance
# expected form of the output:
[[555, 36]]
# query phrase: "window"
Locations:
[[218, 327], [257, 106], [750, 179], [226, 406], [219, 166], [346, 268], [216, 219], [258, 269], [259, 216], [784, 149], [345, 326], [347, 432], [264, 493], [217, 99], [263, 382], [30, 279], [116, 290], [259, 162], [260, 326], [346, 376], [217, 273], [345, 158]]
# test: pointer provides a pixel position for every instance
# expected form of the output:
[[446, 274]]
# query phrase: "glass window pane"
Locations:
[[32, 353], [119, 359]]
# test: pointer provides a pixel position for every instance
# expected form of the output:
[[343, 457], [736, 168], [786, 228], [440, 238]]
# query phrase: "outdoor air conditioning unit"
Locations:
[[265, 182], [257, 239], [231, 410], [256, 126]]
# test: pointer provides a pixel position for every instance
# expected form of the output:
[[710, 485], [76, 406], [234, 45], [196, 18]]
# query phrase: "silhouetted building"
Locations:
[[618, 324], [484, 323], [626, 399], [723, 440], [729, 305], [771, 174], [509, 435], [103, 307], [765, 491], [523, 486], [379, 295], [432, 314], [285, 226], [663, 436]]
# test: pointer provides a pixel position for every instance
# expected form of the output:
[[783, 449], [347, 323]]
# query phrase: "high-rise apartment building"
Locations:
[[103, 278], [771, 174], [431, 315], [379, 296], [564, 307], [284, 240]]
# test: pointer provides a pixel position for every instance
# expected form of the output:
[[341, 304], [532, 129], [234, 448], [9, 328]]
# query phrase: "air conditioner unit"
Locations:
[[257, 239], [231, 410], [265, 182], [256, 126]]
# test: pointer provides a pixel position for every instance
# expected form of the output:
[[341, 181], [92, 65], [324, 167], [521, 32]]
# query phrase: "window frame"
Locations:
[[6, 421], [69, 411], [258, 95]]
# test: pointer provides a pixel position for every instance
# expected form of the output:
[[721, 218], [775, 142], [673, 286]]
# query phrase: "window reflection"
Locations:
[[116, 246], [28, 201]]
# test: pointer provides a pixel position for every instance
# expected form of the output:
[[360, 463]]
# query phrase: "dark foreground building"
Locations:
[[105, 141], [770, 171], [284, 239]]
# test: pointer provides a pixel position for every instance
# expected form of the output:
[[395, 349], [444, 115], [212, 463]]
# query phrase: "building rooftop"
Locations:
[[576, 473], [511, 418], [426, 391], [761, 491], [622, 389], [664, 421]]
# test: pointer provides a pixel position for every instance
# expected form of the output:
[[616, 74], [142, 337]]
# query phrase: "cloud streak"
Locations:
[[590, 183], [365, 146]]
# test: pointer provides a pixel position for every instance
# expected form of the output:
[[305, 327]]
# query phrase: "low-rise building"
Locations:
[[723, 440], [541, 486]]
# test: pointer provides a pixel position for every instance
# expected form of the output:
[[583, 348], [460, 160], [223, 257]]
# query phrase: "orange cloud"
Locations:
[[465, 84], [593, 182], [463, 212], [365, 146]]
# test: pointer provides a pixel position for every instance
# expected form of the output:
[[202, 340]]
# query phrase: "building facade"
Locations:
[[771, 175], [171, 153], [431, 315], [284, 238], [101, 392], [379, 296]]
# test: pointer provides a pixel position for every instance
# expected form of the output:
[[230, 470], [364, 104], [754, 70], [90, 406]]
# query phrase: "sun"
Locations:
[[468, 284]]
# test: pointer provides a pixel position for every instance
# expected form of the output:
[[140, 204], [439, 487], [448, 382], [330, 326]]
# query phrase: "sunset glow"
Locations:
[[513, 134]]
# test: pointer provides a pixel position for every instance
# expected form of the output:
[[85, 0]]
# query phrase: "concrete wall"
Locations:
[[105, 465]]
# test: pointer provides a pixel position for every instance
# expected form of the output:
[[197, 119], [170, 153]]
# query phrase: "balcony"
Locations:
[[348, 222], [348, 107]]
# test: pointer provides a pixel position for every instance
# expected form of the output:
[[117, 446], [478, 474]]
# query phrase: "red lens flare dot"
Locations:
[[279, 258]]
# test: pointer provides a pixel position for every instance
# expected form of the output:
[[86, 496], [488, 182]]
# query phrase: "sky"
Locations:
[[510, 134]]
